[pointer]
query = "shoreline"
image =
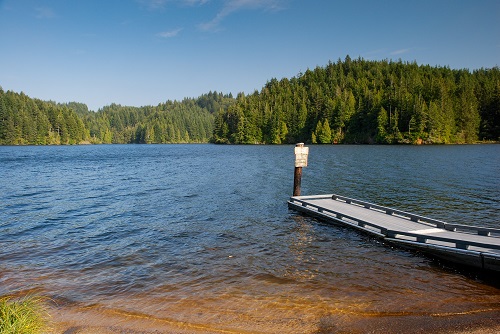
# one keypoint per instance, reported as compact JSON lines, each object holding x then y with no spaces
{"x":88,"y":143}
{"x":93,"y":319}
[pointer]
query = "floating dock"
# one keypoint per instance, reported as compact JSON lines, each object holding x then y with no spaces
{"x":473,"y":246}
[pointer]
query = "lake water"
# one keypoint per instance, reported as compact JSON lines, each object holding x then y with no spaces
{"x":200,"y":236}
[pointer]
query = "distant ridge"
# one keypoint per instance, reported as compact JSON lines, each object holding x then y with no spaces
{"x":350,"y":101}
{"x":365,"y":102}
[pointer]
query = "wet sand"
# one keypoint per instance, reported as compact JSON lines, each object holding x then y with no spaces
{"x":98,"y":320}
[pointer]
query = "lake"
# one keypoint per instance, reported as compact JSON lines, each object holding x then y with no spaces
{"x":200,"y":236}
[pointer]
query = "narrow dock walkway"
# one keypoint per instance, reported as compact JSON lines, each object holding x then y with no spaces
{"x":467,"y":245}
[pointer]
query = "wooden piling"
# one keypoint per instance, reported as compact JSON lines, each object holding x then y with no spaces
{"x":301,"y":154}
{"x":297,"y":180}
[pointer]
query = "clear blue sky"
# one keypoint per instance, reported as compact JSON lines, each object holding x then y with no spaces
{"x":143,"y":52}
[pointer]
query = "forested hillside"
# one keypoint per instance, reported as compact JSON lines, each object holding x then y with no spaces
{"x":359,"y":101}
{"x":27,"y":121}
{"x":350,"y":101}
{"x":189,"y":121}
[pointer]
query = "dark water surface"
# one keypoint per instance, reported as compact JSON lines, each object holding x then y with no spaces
{"x":201,"y":234}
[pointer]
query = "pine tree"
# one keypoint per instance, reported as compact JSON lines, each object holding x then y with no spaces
{"x":323,"y":132}
{"x":382,"y":122}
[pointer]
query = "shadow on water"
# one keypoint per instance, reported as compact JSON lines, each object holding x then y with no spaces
{"x":488,"y":277}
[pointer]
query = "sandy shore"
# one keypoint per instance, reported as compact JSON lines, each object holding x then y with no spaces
{"x":96,"y":320}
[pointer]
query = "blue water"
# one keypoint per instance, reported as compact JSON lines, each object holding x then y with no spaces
{"x":202,"y":234}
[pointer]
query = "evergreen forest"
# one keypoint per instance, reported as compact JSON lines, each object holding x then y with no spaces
{"x":359,"y":101}
{"x":350,"y":101}
{"x":27,"y":121}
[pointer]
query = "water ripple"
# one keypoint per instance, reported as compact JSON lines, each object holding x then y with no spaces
{"x":202,"y":232}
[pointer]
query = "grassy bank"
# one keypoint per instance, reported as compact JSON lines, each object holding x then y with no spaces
{"x":26,"y":315}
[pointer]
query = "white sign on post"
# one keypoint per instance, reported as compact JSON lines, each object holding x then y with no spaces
{"x":301,"y":153}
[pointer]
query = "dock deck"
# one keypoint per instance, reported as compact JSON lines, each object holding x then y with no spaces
{"x":467,"y":245}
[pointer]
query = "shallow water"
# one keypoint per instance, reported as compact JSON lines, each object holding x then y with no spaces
{"x":201,"y":234}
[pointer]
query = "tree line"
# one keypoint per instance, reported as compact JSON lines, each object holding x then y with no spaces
{"x":360,"y":101}
{"x":350,"y":101}
{"x":28,"y":121}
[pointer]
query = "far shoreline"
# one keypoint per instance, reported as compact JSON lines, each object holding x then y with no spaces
{"x":86,"y":143}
